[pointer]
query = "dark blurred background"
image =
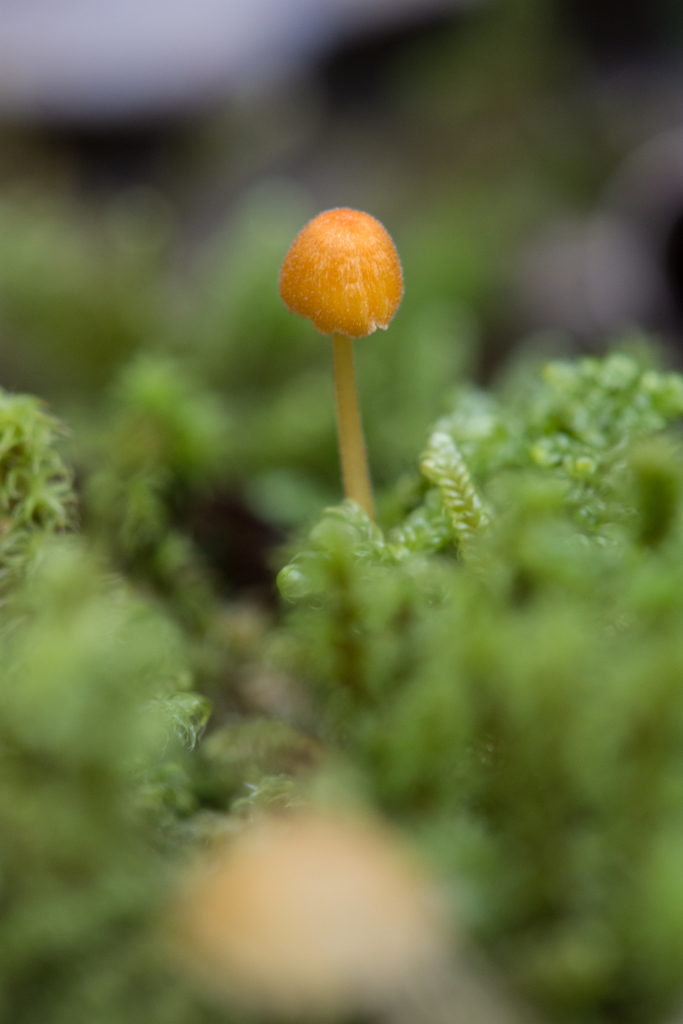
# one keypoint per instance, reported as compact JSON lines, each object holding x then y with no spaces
{"x":157,"y":159}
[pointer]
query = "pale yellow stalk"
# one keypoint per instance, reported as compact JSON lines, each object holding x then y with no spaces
{"x":354,"y":459}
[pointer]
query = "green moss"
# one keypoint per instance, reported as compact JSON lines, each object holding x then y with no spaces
{"x":501,"y":674}
{"x":36,"y":495}
{"x":529,"y":691}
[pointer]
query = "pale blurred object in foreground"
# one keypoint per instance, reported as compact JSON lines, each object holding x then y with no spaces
{"x":313,"y":914}
{"x":92,"y":60}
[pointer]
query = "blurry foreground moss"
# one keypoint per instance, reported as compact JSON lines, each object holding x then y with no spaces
{"x":84,"y":668}
{"x":95,"y":706}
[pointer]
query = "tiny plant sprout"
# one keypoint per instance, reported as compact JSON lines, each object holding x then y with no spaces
{"x":343,"y":273}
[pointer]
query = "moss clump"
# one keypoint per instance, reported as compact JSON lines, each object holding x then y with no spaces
{"x":507,"y":668}
{"x":501,"y":674}
{"x":36,"y":496}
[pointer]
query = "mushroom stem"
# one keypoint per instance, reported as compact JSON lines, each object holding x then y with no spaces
{"x":354,"y":459}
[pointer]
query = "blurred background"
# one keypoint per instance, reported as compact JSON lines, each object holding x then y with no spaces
{"x":157,"y":159}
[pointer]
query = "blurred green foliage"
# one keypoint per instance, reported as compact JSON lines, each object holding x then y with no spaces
{"x":77,"y":298}
{"x":86,"y":666}
{"x":164,"y":440}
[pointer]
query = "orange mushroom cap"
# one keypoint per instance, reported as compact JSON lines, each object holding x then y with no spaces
{"x":343,"y":273}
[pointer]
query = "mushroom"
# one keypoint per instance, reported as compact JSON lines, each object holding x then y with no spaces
{"x":343,"y":273}
{"x":310,"y":914}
